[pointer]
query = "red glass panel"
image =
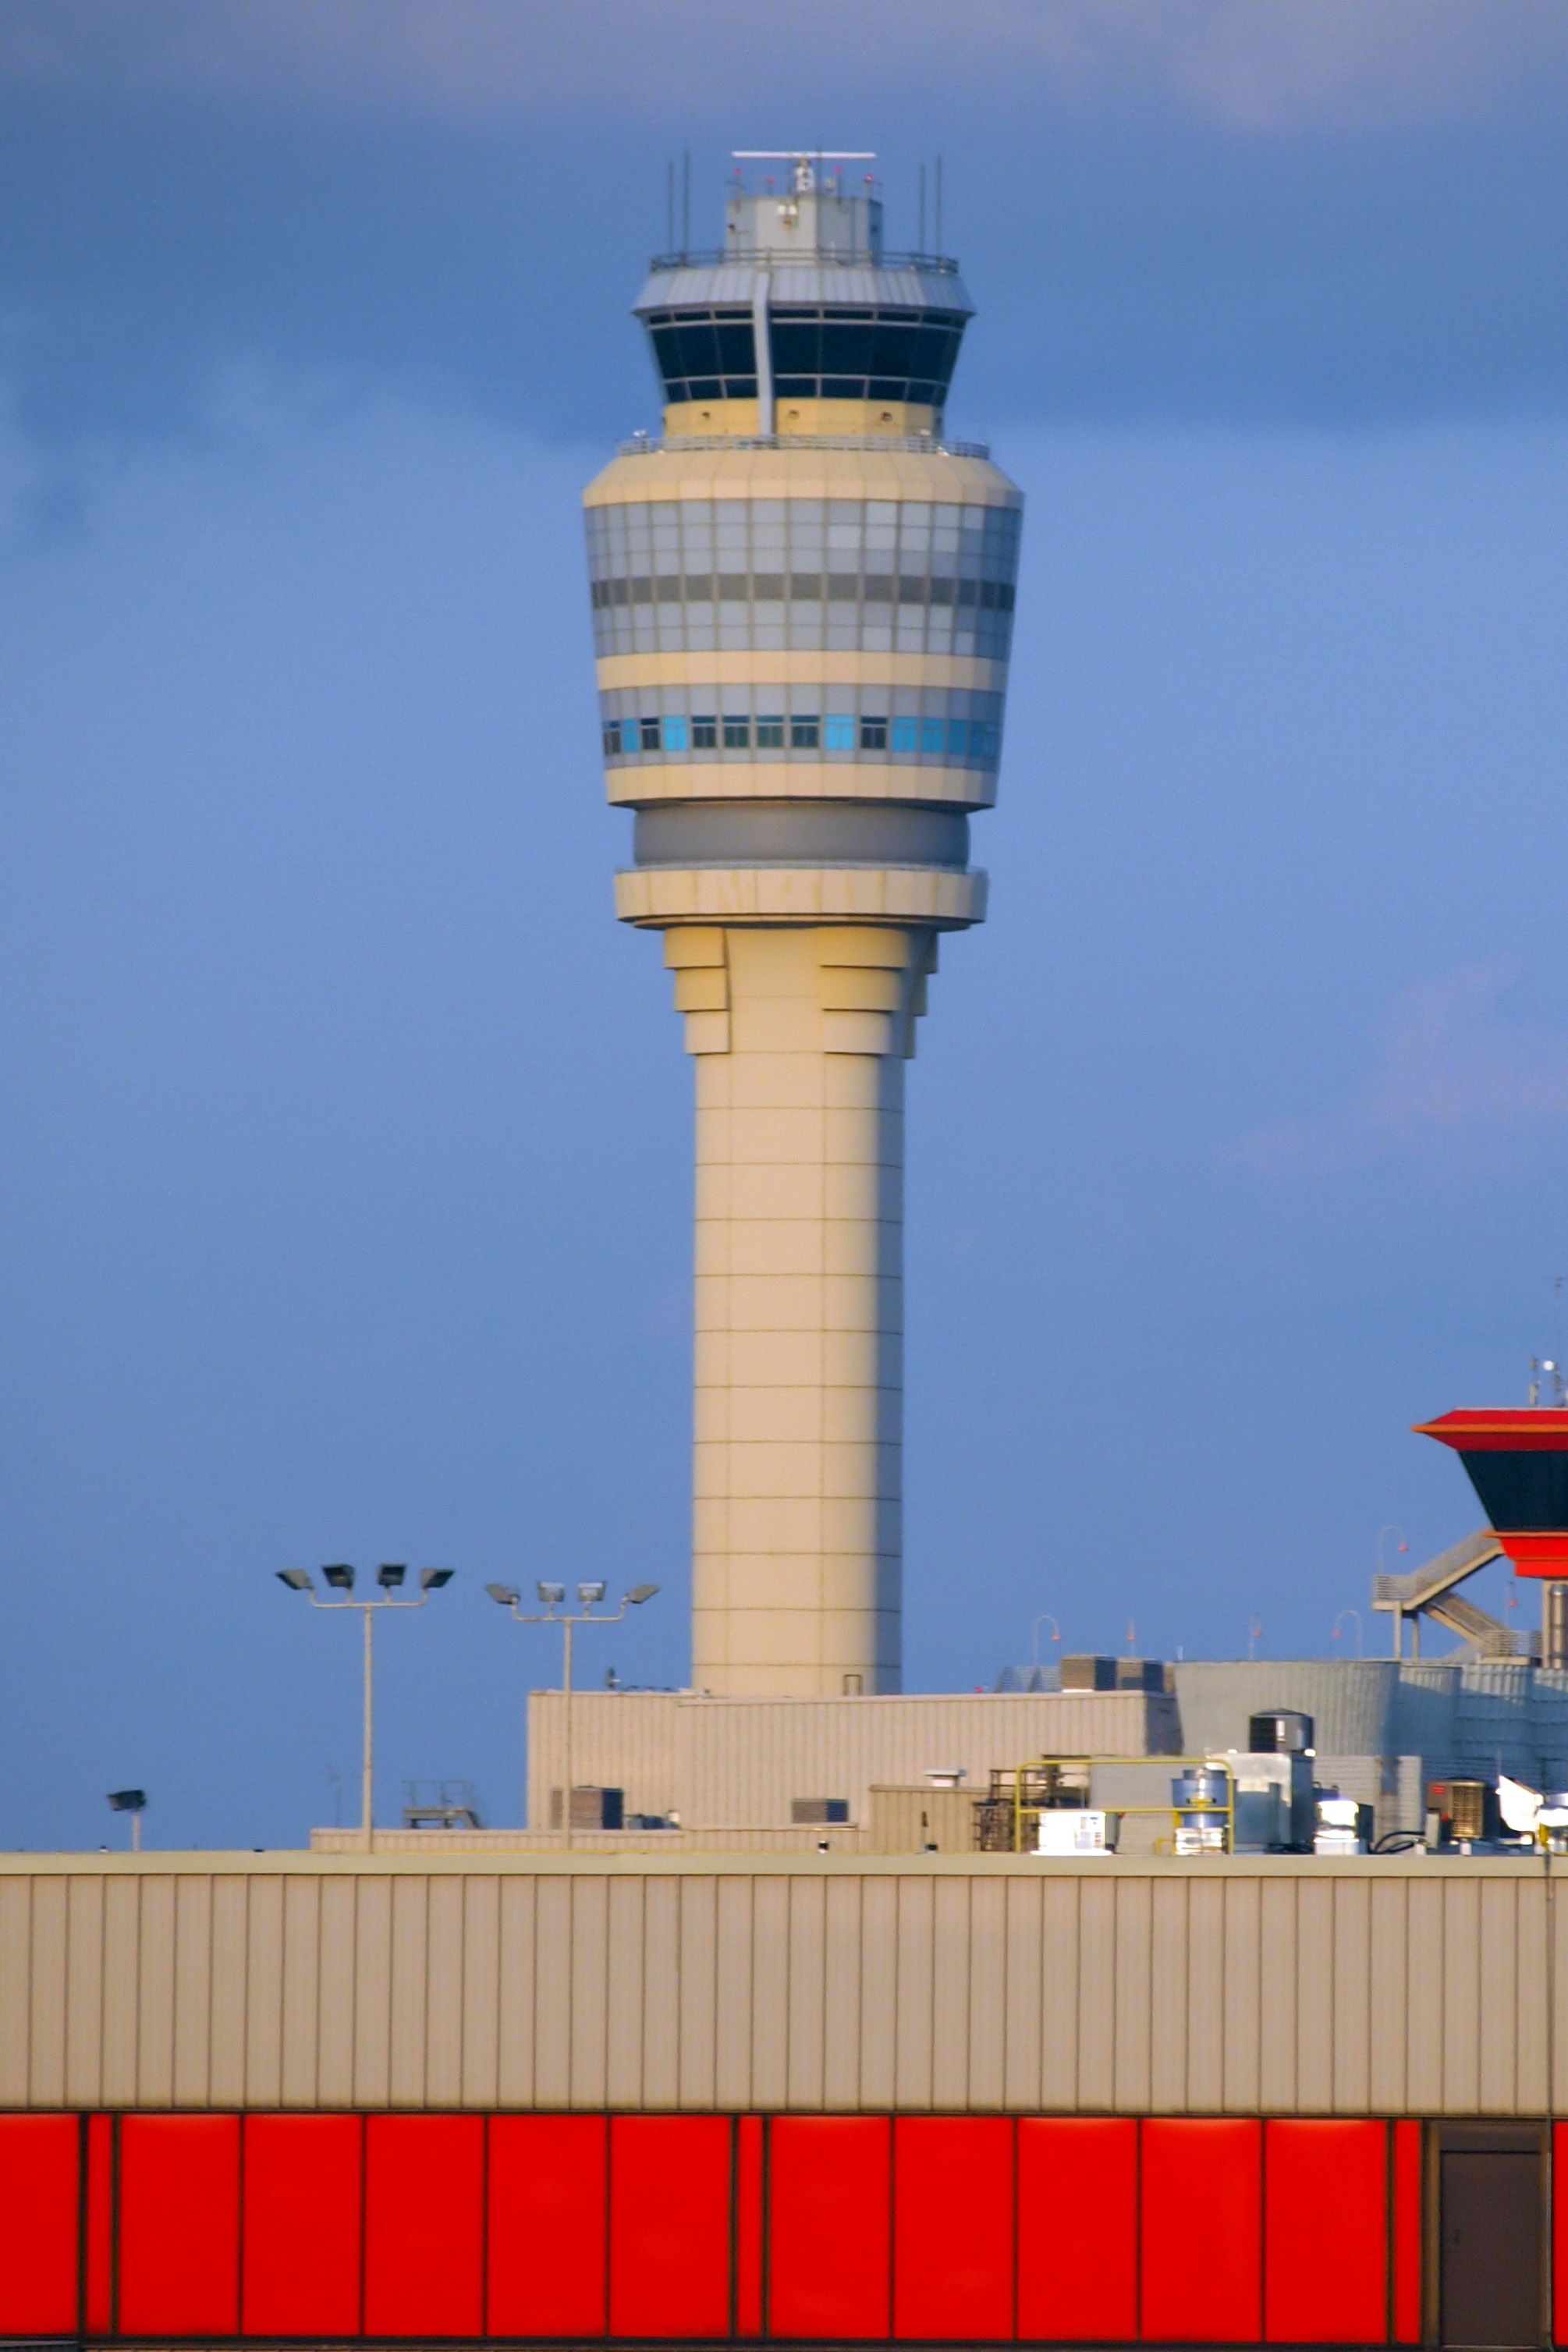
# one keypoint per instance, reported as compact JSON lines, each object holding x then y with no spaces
{"x":303,"y":2195}
{"x":1201,"y":2231}
{"x":669,"y":2225}
{"x":829,"y":2235}
{"x":40,"y":2203}
{"x":424,"y":2225}
{"x":1325,"y":2232}
{"x":952,"y":2226}
{"x":179,"y":2225}
{"x":548,"y":2186}
{"x":1078,"y":2186}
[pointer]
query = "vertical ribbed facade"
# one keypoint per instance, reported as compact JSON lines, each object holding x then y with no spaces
{"x":802,"y":600}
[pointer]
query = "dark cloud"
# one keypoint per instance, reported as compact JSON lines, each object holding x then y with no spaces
{"x":1140,"y":263}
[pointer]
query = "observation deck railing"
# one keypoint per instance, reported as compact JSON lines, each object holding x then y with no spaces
{"x":933,"y":264}
{"x":913,"y":444}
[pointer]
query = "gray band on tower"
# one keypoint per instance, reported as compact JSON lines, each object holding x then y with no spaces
{"x":797,"y":833}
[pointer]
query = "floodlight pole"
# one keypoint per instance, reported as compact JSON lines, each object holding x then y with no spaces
{"x":367,"y":1610}
{"x":568,"y":1624}
{"x":367,"y":1772}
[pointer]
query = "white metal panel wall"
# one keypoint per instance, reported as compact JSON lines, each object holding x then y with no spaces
{"x":972,"y":1984}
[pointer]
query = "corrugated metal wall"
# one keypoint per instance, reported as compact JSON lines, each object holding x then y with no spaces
{"x":736,"y":1763}
{"x":1351,"y":1700}
{"x":1383,"y":1987}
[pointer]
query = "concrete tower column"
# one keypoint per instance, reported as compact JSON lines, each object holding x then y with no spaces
{"x":798,"y":1396}
{"x":802,"y":639}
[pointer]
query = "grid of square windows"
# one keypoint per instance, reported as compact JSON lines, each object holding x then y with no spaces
{"x":949,"y":727}
{"x":696,"y":575}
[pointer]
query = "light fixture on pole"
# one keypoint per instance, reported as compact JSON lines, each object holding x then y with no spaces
{"x":552,"y":1599}
{"x":340,"y":1579}
{"x":134,"y":1803}
{"x":1045,"y":1618}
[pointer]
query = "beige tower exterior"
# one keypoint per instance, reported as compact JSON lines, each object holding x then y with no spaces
{"x":801,"y":598}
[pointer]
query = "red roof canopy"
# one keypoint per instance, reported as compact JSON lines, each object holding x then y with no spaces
{"x":1500,"y":1429}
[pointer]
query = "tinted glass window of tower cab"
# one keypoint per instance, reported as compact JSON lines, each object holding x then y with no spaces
{"x":818,"y":353}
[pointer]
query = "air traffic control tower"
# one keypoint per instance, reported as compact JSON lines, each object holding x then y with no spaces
{"x":802,"y":597}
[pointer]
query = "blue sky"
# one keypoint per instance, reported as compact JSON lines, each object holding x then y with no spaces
{"x":344,"y":1186}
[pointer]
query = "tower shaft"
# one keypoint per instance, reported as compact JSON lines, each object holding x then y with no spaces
{"x":798,"y":1317}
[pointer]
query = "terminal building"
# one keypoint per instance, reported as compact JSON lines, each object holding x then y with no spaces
{"x":788,"y":2058}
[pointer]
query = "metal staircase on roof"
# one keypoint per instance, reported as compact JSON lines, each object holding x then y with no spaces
{"x":1431,"y":1590}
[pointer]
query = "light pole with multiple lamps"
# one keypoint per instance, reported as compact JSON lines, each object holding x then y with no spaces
{"x":551,"y":1599}
{"x":340,"y":1577}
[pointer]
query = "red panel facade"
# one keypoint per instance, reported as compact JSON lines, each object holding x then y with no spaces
{"x":424,"y":2225}
{"x":1325,"y":2232}
{"x":670,"y":2225}
{"x":1201,"y":2231}
{"x":1077,"y":2185}
{"x":952,"y":2226}
{"x":179,"y":2225}
{"x":749,"y":2226}
{"x":829,"y":2214}
{"x":40,"y":2206}
{"x":98,"y":2228}
{"x":303,"y":2185}
{"x":548,"y":2182}
{"x":1406,"y":2233}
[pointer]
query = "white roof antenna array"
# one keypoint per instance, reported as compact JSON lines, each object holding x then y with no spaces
{"x":803,"y":158}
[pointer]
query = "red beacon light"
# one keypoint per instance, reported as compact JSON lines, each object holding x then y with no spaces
{"x":1517,"y":1460}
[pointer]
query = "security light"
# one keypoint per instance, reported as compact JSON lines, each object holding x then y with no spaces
{"x":431,"y":1579}
{"x":390,"y":1574}
{"x":588,"y":1593}
{"x":507,"y":1594}
{"x":640,"y":1593}
{"x":297,"y":1580}
{"x":552,"y":1594}
{"x":340,"y":1577}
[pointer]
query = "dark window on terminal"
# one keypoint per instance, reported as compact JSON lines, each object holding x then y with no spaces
{"x":805,"y":733}
{"x":704,"y":734}
{"x":650,"y":734}
{"x":737,"y":734}
{"x":873,"y":734}
{"x":770,"y":732}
